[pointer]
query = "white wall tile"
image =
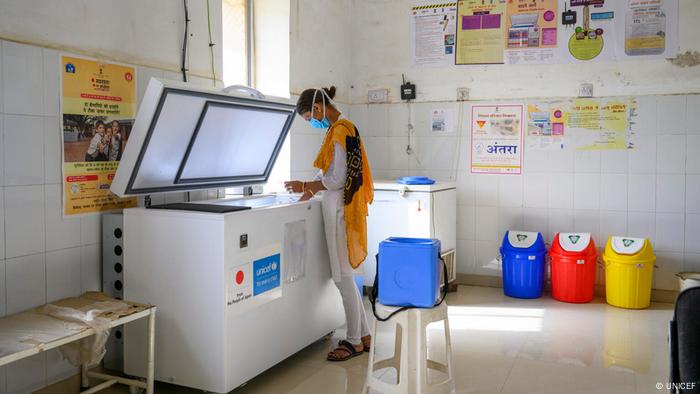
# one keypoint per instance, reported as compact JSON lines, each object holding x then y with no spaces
{"x":587,"y":161}
{"x":24,"y":150}
{"x":486,"y":223}
{"x":692,"y":193}
{"x":614,"y":161}
{"x":536,"y":161}
{"x":692,"y":233}
{"x":26,"y":282}
{"x":26,"y":375}
{"x":669,"y":264}
{"x":642,"y":225}
{"x":57,"y":368}
{"x":486,"y":190}
{"x":561,"y":160}
{"x":23,"y":71}
{"x":2,"y":223}
{"x":466,"y":218}
{"x":670,"y":154}
{"x":377,"y":149}
{"x":613,"y":192}
{"x":63,"y":274}
{"x":304,"y":149}
{"x":24,"y":220}
{"x":670,"y":114}
{"x":358,"y":114}
{"x":443,"y":152}
{"x":91,"y":226}
{"x":3,"y":294}
{"x":2,"y":146}
{"x":645,"y":120}
{"x":398,"y":119}
{"x":587,"y":221}
{"x":691,"y":262}
{"x":642,"y":156}
{"x":466,"y":188}
{"x":143,"y":75}
{"x":377,"y":120}
{"x":535,"y":219}
{"x":670,"y":232}
{"x":510,"y":191}
{"x":670,"y":193}
{"x":560,"y":221}
{"x":561,"y":191}
{"x":612,"y":223}
{"x":61,"y":232}
{"x":397,"y":153}
{"x":509,"y":219}
{"x":693,"y":109}
{"x":52,"y":75}
{"x":486,"y":258}
{"x":586,"y":191}
{"x":52,"y":150}
{"x":466,"y":258}
{"x":692,"y":164}
{"x":2,"y":110}
{"x":90,"y":268}
{"x":642,"y":192}
{"x":536,"y":190}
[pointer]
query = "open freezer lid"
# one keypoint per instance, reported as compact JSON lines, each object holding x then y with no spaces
{"x":186,"y":138}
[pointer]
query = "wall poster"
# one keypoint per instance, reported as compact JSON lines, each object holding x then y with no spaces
{"x":98,"y":107}
{"x":433,"y":25}
{"x":497,"y":139}
{"x":480,"y":31}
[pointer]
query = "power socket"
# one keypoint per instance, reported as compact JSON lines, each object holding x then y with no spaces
{"x":462,"y":94}
{"x":378,"y":96}
{"x":585,"y":90}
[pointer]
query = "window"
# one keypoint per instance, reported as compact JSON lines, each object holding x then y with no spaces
{"x":256,"y":53}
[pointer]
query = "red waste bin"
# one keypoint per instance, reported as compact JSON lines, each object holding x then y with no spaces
{"x":573,"y":262}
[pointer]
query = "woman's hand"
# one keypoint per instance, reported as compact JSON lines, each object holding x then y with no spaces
{"x":306,"y":196}
{"x":294,"y":186}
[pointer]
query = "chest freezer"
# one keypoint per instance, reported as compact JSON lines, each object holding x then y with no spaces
{"x":414,"y":211}
{"x":240,"y":284}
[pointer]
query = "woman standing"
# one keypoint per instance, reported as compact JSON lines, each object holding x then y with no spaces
{"x":346,"y":179}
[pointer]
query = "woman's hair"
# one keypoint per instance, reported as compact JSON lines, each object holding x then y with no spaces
{"x":305,"y":103}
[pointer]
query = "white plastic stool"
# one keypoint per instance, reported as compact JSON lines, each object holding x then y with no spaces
{"x":410,"y":358}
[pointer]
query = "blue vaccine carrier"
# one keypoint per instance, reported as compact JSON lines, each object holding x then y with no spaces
{"x":408,"y":272}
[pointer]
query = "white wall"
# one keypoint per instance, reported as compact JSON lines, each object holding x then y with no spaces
{"x":651,"y":191}
{"x":380,"y":33}
{"x":146,"y":33}
{"x":43,"y":256}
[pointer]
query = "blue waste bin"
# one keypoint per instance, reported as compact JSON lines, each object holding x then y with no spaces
{"x":523,"y":257}
{"x":408,"y":273}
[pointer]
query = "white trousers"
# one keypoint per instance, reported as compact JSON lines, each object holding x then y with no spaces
{"x":355,"y":316}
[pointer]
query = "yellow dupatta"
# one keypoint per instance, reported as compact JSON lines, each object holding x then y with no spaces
{"x":358,"y":174}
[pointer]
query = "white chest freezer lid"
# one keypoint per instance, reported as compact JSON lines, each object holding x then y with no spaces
{"x":186,"y":138}
{"x":393,"y":185}
{"x":574,"y":242}
{"x":626,"y":245}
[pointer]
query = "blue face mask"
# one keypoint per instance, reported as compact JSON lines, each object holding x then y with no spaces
{"x":320,"y":124}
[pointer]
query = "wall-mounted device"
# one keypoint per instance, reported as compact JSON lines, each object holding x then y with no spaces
{"x":408,"y":90}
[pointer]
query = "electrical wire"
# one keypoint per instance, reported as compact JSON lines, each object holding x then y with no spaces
{"x":211,"y":45}
{"x":184,"y":43}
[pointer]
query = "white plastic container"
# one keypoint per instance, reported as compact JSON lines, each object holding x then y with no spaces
{"x":689,"y":279}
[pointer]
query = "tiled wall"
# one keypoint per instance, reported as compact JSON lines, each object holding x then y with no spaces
{"x":650,"y":191}
{"x":43,"y":256}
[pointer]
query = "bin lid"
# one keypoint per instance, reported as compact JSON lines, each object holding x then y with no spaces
{"x":186,"y":138}
{"x":410,"y":242}
{"x":523,"y":241}
{"x":574,"y":242}
{"x":627,"y":245}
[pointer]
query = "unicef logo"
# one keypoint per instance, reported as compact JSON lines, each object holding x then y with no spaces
{"x":274,"y":266}
{"x":70,"y":68}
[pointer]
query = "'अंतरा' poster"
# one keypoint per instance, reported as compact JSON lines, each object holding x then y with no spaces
{"x":497,"y":139}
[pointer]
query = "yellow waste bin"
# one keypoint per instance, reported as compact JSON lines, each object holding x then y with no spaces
{"x":629,"y":267}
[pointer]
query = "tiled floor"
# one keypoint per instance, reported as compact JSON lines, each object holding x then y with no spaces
{"x":506,"y":345}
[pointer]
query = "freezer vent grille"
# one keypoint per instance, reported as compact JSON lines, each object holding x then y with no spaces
{"x":450,"y":261}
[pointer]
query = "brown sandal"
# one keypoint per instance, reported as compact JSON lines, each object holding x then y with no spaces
{"x":347,"y":347}
{"x":367,"y":342}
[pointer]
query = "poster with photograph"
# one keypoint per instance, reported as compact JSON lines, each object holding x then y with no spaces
{"x":441,"y":120}
{"x":546,"y":125}
{"x":531,"y":34}
{"x":497,"y":139}
{"x":98,"y":107}
{"x":433,"y":26}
